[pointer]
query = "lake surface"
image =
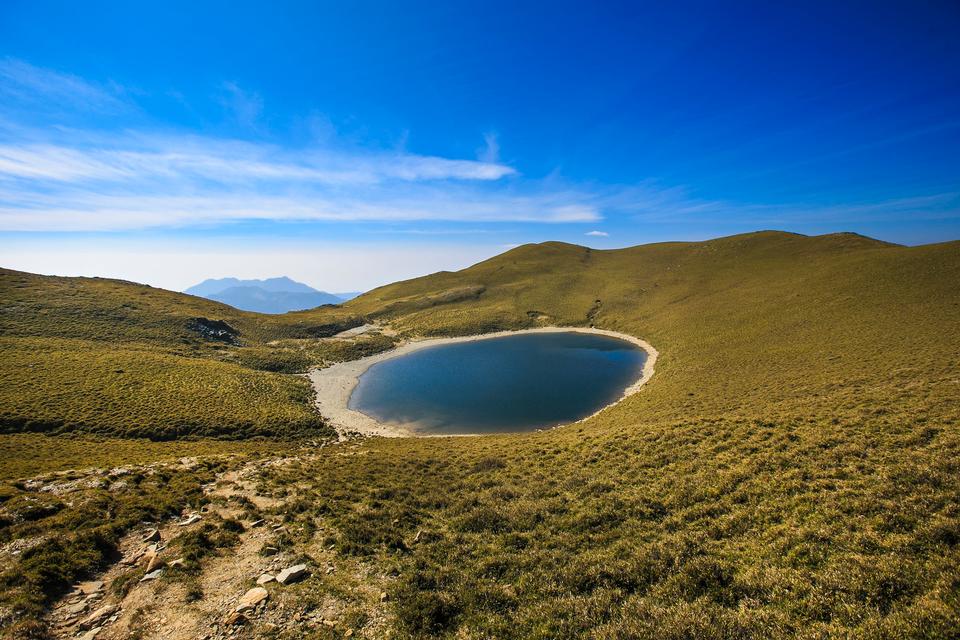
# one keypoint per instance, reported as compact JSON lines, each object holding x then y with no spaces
{"x":514,"y":383}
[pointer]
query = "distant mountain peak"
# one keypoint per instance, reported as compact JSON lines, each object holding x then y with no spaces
{"x":270,"y":295}
{"x":279,"y":284}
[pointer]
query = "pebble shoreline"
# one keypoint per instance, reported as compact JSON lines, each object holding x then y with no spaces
{"x":333,"y":385}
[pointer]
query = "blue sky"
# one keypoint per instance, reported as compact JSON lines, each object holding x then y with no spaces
{"x":351,"y":144}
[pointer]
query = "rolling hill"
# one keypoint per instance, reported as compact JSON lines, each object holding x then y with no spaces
{"x":792,"y":469}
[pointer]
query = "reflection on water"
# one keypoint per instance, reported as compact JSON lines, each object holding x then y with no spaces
{"x":513,"y":383}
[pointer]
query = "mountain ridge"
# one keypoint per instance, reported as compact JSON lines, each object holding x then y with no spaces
{"x":271,"y":295}
{"x":277,"y":284}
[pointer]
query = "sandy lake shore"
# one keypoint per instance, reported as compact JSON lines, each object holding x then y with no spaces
{"x":333,"y":385}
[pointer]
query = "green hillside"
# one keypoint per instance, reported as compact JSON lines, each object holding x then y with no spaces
{"x":118,"y":358}
{"x":792,"y":469}
{"x":745,"y":324}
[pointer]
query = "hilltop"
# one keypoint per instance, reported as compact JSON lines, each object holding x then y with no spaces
{"x":792,"y":469}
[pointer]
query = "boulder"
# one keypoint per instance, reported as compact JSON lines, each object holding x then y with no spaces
{"x":153,"y":575}
{"x":251,"y":599}
{"x":193,"y":518}
{"x":155,"y":563}
{"x":292,"y":574}
{"x":92,"y":634}
{"x":151,"y":560}
{"x":99,"y":615}
{"x":235,"y":619}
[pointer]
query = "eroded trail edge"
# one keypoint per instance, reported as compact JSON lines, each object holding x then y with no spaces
{"x":333,"y":385}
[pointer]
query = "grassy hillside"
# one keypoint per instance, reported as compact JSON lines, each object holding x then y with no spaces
{"x":123,"y":359}
{"x":744,"y":324}
{"x":791,"y":470}
{"x":125,"y":312}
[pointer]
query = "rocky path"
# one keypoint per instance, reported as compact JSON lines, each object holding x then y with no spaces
{"x":246,"y":590}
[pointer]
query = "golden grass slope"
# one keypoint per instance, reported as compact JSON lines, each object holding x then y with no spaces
{"x":791,"y":470}
{"x":743,"y":323}
{"x":122,"y":359}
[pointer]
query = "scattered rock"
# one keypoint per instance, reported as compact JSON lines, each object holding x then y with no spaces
{"x":235,"y":619}
{"x":348,"y":634}
{"x":256,"y":523}
{"x":251,"y":599}
{"x":97,"y":616}
{"x":77,"y":608}
{"x":383,"y":596}
{"x":192,"y":519}
{"x":153,"y":535}
{"x":179,"y":562}
{"x":153,"y":575}
{"x":292,"y":574}
{"x":93,"y":633}
{"x":265,"y":578}
{"x":214,"y":330}
{"x":416,"y":538}
{"x":330,"y":569}
{"x":151,"y":560}
{"x":93,"y":586}
{"x":154,"y":564}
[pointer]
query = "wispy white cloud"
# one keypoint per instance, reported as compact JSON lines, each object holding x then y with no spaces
{"x":93,"y":212}
{"x":138,"y":181}
{"x":126,"y":158}
{"x":31,"y":86}
{"x":130,"y":180}
{"x":490,"y":152}
{"x":74,"y":178}
{"x":245,"y":107}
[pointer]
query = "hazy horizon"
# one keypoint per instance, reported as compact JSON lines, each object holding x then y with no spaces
{"x":333,"y":269}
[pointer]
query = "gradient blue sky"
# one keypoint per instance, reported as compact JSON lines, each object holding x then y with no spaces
{"x":351,"y":144}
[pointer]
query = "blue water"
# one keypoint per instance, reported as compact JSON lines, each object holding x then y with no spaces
{"x":514,"y":383}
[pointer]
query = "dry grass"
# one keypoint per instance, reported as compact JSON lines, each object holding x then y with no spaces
{"x":791,"y":470}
